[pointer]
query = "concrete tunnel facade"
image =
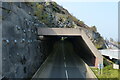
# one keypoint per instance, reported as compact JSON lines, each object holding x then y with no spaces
{"x":81,"y":43}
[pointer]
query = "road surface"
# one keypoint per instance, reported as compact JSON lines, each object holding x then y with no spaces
{"x":64,"y":63}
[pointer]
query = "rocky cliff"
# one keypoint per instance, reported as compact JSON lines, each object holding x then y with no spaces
{"x":22,"y":52}
{"x":53,"y":15}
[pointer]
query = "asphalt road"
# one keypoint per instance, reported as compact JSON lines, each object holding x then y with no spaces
{"x":64,"y":63}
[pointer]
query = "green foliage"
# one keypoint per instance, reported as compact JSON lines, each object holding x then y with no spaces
{"x":99,"y":41}
{"x":54,"y":4}
{"x":106,"y":62}
{"x":74,"y":18}
{"x":38,"y":10}
{"x":98,"y":46}
{"x":111,"y":39}
{"x":39,"y":6}
{"x":78,"y":22}
{"x":108,"y":72}
{"x":40,"y":13}
{"x":81,"y":22}
{"x":118,"y":42}
{"x":93,"y":28}
{"x":56,"y":9}
{"x":44,"y":18}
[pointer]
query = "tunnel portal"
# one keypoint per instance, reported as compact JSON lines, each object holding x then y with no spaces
{"x":80,"y":47}
{"x":83,"y":46}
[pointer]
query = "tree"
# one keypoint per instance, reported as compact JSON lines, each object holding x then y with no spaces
{"x":93,"y":28}
{"x":111,"y":40}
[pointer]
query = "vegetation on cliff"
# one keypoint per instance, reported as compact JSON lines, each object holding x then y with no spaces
{"x":53,"y":15}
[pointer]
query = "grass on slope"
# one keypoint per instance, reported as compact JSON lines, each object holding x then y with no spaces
{"x":108,"y":73}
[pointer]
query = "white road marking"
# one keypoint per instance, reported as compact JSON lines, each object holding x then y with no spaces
{"x":66,"y":74}
{"x":65,"y":64}
{"x":64,"y":58}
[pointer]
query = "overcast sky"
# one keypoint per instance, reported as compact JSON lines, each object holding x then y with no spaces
{"x":104,"y":15}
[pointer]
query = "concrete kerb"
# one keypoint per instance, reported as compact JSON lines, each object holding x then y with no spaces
{"x":0,"y":41}
{"x":41,"y":67}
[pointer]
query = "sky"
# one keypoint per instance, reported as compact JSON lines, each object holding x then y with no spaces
{"x":104,"y":15}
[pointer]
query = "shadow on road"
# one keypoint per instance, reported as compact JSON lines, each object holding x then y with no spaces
{"x":64,"y":63}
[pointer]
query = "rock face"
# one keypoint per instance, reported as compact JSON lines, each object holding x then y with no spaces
{"x":54,"y":15}
{"x":22,"y":52}
{"x":95,"y":38}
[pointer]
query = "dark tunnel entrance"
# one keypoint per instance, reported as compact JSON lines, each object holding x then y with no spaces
{"x":80,"y":47}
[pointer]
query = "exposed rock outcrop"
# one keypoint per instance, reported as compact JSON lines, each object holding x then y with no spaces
{"x":53,"y":15}
{"x":22,"y":52}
